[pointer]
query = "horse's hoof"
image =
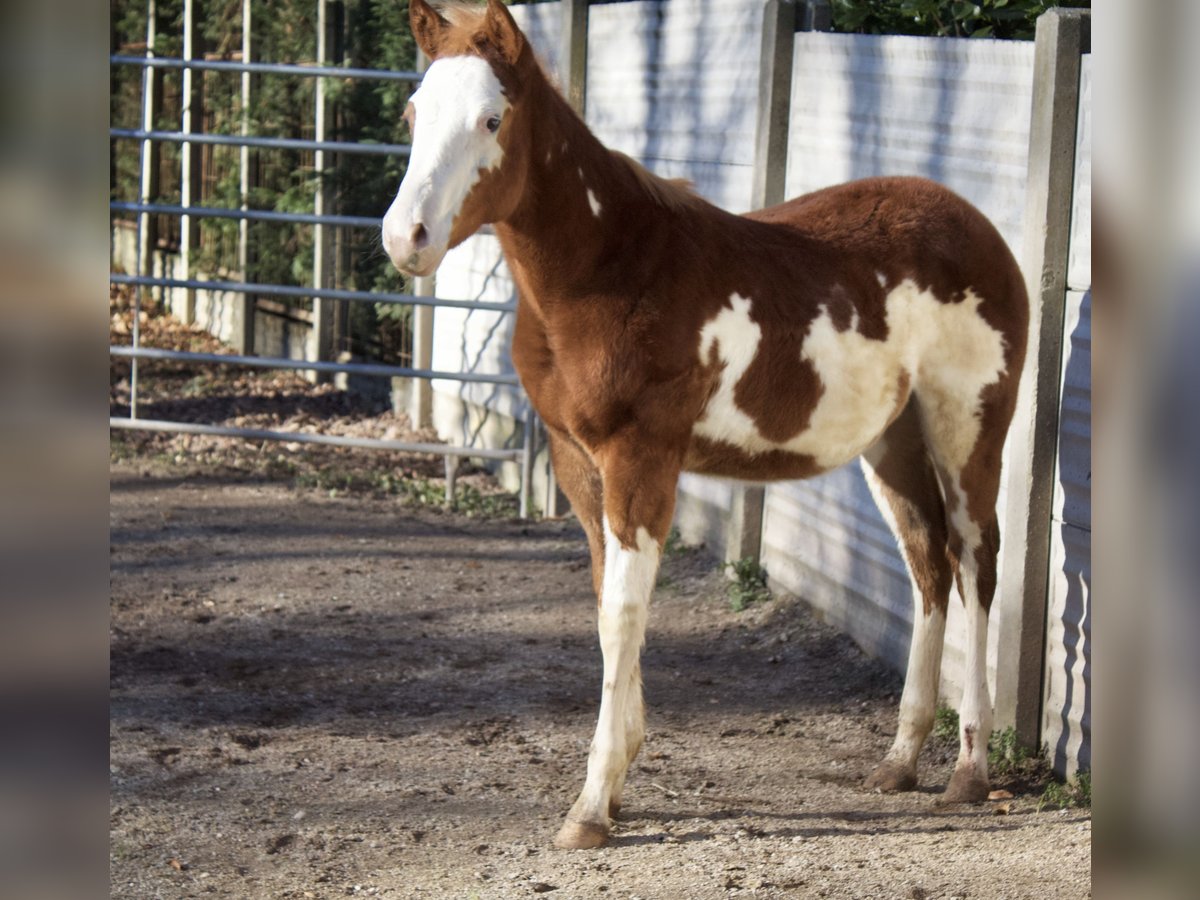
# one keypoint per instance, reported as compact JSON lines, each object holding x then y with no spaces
{"x":890,"y":777}
{"x":614,"y":808}
{"x":966,"y":786}
{"x":581,"y":836}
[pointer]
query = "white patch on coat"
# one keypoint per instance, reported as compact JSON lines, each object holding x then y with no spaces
{"x":629,"y":575}
{"x":881,"y":278}
{"x":736,"y":338}
{"x":947,"y":350}
{"x":451,"y":150}
{"x":593,"y":203}
{"x":975,"y":710}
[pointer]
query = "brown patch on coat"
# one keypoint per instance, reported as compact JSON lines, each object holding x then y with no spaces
{"x":909,"y":485}
{"x":779,"y":390}
{"x":709,"y":457}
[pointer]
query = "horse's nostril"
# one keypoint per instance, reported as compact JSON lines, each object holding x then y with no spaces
{"x":420,"y":237}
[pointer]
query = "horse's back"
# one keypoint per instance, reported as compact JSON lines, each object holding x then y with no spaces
{"x":907,"y":226}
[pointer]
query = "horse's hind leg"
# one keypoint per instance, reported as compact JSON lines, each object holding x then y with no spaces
{"x":965,"y":436}
{"x":905,"y":486}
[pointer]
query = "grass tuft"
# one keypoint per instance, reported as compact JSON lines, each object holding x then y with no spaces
{"x":749,"y":584}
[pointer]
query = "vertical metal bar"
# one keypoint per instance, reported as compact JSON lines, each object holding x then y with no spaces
{"x":527,"y":452}
{"x":420,"y":402}
{"x":141,"y":252}
{"x":186,"y":173}
{"x":147,"y":168}
{"x":321,"y":336}
{"x":817,"y":16}
{"x":451,"y":481}
{"x":1061,"y":37}
{"x":248,"y":303}
{"x":573,"y":61}
{"x":552,"y":507}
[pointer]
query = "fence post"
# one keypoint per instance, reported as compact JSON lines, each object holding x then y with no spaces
{"x":774,"y":102}
{"x":1062,"y":36}
{"x":573,"y":60}
{"x":420,"y":409}
{"x":743,"y":529}
{"x":244,"y":338}
{"x":189,"y":172}
{"x":321,"y":337}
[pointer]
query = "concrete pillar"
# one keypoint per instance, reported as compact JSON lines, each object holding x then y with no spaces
{"x":1062,"y":36}
{"x":573,"y":59}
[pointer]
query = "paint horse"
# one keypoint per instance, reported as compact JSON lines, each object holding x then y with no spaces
{"x":657,"y":334}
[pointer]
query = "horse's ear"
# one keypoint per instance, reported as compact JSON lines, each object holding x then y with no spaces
{"x":502,"y":31}
{"x":427,"y":26}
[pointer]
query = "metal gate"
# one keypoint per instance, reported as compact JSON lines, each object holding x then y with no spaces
{"x":321,"y":294}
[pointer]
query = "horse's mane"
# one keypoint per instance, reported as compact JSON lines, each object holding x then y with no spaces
{"x":670,"y":193}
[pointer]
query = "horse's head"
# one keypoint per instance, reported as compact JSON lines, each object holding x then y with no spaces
{"x":468,"y":137}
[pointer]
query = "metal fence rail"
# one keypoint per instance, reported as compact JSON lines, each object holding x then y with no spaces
{"x":317,"y":292}
{"x":292,"y":290}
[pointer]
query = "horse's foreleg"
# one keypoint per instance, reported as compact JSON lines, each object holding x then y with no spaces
{"x":637,"y":513}
{"x":635,"y":732}
{"x":629,"y":574}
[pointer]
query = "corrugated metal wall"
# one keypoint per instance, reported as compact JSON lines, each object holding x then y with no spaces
{"x":953,"y":111}
{"x":1067,"y":718}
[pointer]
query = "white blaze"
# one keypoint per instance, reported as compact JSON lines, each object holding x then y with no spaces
{"x":451,"y":148}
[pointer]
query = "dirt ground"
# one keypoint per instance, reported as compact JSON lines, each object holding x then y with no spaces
{"x":318,"y":696}
{"x":322,"y":686}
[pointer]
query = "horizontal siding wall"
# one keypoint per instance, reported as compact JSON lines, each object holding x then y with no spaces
{"x":1067,"y":710}
{"x":953,"y":111}
{"x":956,"y":111}
{"x":675,"y":86}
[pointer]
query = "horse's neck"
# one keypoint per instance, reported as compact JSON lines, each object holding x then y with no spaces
{"x":574,"y":215}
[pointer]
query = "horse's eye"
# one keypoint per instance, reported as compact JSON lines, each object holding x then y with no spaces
{"x":493,"y":124}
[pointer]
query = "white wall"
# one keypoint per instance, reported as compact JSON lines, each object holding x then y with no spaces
{"x":674,"y":84}
{"x":956,"y":111}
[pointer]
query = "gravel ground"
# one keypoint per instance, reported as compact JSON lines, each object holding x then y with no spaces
{"x":323,"y":686}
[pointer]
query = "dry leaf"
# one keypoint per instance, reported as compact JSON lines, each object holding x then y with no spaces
{"x":1002,"y":809}
{"x":1000,"y":795}
{"x":175,"y":864}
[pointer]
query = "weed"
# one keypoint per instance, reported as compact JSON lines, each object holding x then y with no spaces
{"x":674,"y":544}
{"x":945,"y":724}
{"x":749,"y":583}
{"x":1006,"y":754}
{"x":1075,"y":793}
